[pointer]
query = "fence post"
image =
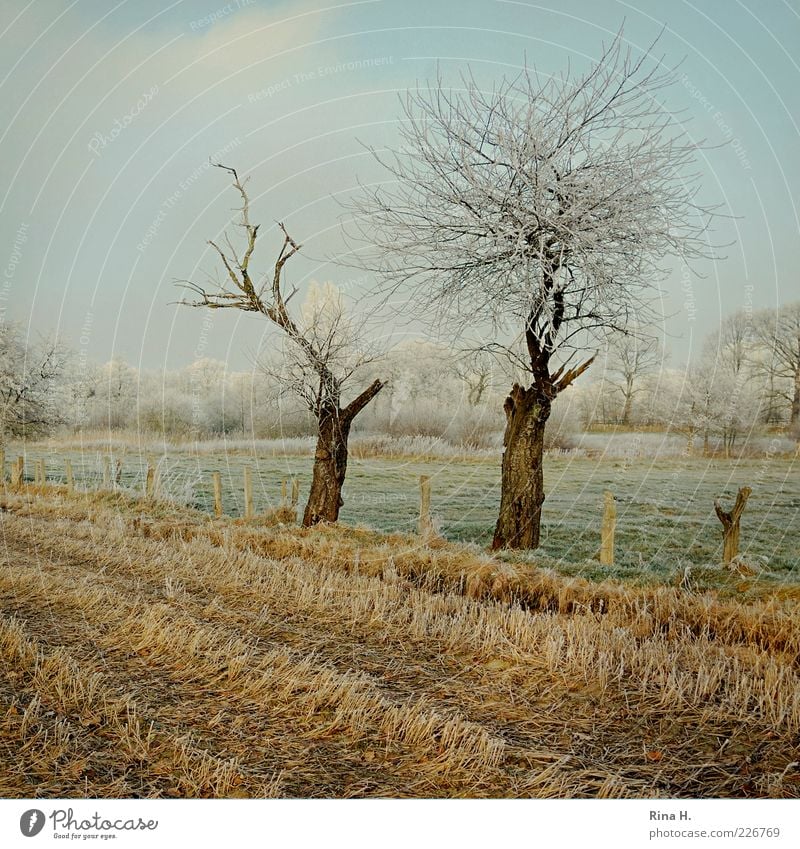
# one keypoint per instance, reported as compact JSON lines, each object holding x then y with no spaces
{"x":106,"y":471}
{"x":216,"y":477}
{"x":17,"y":472}
{"x":68,"y":475}
{"x":607,"y":529}
{"x":118,"y":473}
{"x":150,"y":482}
{"x":295,"y":491}
{"x":284,"y":492}
{"x":39,"y":473}
{"x":248,"y":493}
{"x":2,"y":465}
{"x":425,"y":523}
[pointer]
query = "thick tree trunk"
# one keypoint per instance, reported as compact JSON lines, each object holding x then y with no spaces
{"x":522,"y":488}
{"x":330,"y":458}
{"x":330,"y":467}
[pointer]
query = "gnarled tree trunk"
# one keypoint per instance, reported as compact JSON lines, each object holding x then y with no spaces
{"x":330,"y":467}
{"x":522,"y":486}
{"x":330,"y":458}
{"x":730,"y":523}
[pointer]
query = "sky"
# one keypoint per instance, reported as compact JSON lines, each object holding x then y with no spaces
{"x":113,"y":111}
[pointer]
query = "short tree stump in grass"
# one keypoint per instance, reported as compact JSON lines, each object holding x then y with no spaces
{"x":730,"y":523}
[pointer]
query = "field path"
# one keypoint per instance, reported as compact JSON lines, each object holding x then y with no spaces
{"x":135,"y":666}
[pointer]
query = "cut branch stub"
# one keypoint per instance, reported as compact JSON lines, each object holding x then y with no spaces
{"x":730,"y":523}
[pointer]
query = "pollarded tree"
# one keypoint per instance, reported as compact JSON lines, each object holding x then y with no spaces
{"x":321,"y":353}
{"x":540,"y":211}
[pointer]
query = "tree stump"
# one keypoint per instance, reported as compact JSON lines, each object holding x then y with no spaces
{"x":730,"y":523}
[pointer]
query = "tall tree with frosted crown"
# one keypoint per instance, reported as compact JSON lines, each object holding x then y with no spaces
{"x":539,"y":215}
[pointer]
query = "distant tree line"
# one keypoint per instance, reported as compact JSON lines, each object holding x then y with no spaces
{"x":745,"y":381}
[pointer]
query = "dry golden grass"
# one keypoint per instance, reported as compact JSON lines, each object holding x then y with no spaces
{"x":148,"y":651}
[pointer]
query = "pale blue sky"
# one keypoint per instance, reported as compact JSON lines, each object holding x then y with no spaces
{"x":96,"y":224}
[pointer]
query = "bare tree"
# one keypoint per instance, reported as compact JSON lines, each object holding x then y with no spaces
{"x":320,"y":350}
{"x":779,"y":332}
{"x":30,"y":403}
{"x":631,"y":357}
{"x":538,"y":213}
{"x":476,"y":370}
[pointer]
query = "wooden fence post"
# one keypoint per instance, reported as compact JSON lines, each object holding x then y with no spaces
{"x":150,"y":482}
{"x":17,"y":472}
{"x":70,"y":480}
{"x":39,"y":473}
{"x":607,"y":529}
{"x":106,"y":471}
{"x":295,"y":491}
{"x":730,"y":523}
{"x":248,"y":493}
{"x":284,"y":492}
{"x":425,"y":523}
{"x":118,"y":473}
{"x":216,"y":477}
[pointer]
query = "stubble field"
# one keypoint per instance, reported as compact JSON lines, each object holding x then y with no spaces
{"x":148,"y":650}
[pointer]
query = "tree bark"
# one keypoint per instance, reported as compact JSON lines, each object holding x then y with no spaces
{"x":330,"y":458}
{"x":730,"y":524}
{"x":522,"y":487}
{"x":330,"y":467}
{"x":794,"y":415}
